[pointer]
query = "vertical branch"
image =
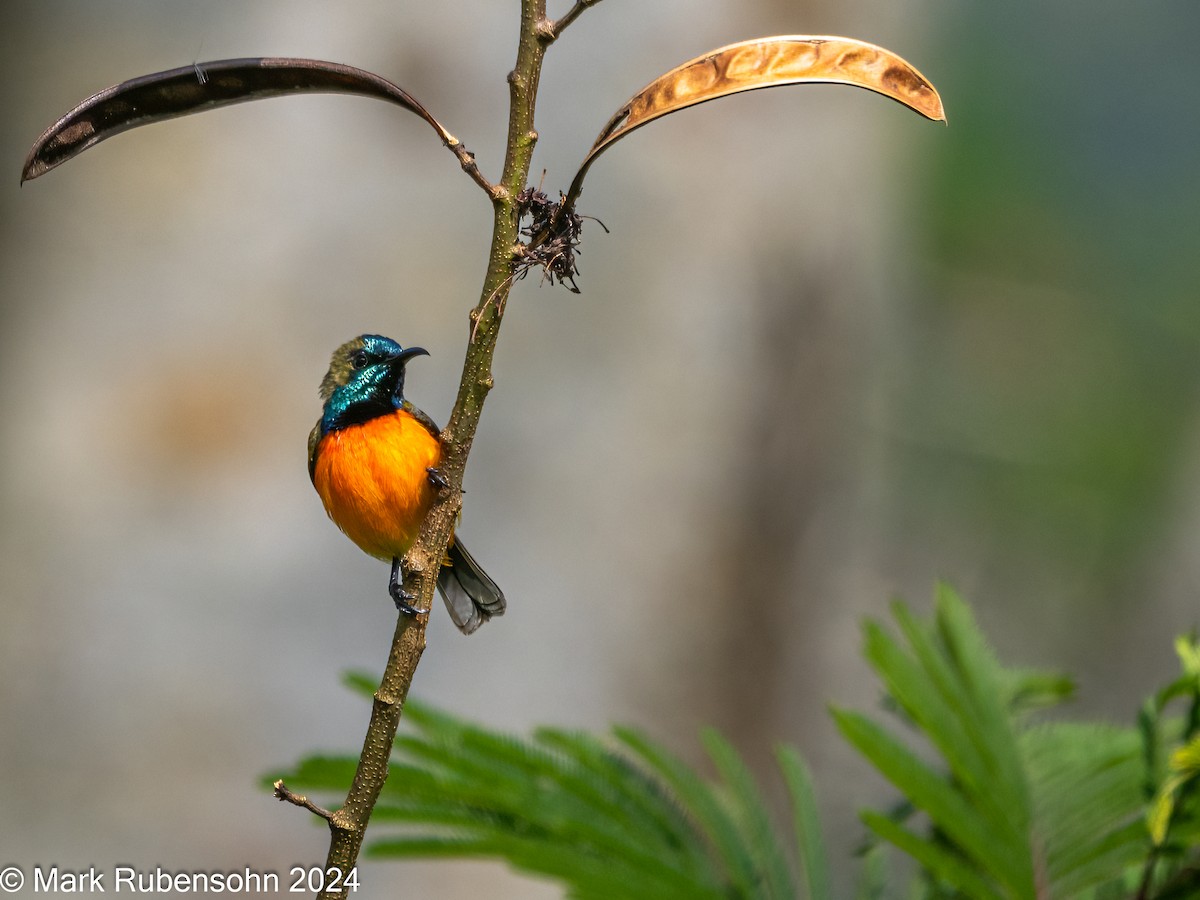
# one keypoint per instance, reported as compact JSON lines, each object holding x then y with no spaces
{"x":348,"y":824}
{"x":485,"y":317}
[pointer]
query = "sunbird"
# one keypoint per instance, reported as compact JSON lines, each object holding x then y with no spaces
{"x":373,"y":458}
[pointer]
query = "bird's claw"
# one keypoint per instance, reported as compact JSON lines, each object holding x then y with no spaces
{"x":402,"y":598}
{"x":436,"y":478}
{"x":410,"y":610}
{"x":399,"y":594}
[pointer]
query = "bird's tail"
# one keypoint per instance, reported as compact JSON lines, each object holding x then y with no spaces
{"x":471,"y":596}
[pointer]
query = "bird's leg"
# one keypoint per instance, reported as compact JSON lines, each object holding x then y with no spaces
{"x":436,"y":478}
{"x":399,"y":594}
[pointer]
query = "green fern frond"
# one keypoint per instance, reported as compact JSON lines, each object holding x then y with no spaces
{"x":1086,"y":783}
{"x":875,"y":874}
{"x":319,"y":774}
{"x":586,"y":875}
{"x":1015,"y":809}
{"x":941,"y":864}
{"x":1029,"y":691}
{"x":998,"y":806}
{"x":619,"y":819}
{"x":810,"y":848}
{"x":504,"y":787}
{"x":363,"y":683}
{"x":933,"y":793}
{"x":749,"y":810}
{"x":717,"y":826}
{"x":988,"y":722}
{"x":606,"y":822}
{"x":639,"y":801}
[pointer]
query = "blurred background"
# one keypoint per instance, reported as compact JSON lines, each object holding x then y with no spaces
{"x":829,"y":353}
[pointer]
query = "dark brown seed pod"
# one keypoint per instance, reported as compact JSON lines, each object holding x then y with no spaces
{"x":204,"y":86}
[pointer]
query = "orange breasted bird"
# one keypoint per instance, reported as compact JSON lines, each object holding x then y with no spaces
{"x":373,"y":459}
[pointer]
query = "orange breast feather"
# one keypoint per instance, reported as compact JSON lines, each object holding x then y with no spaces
{"x":372,"y":480}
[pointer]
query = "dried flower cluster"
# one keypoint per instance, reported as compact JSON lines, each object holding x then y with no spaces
{"x":553,"y":233}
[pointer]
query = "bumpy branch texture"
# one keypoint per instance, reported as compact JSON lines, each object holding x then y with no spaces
{"x":348,"y":824}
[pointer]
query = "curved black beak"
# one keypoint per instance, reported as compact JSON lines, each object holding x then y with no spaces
{"x":396,"y":366}
{"x":401,"y":359}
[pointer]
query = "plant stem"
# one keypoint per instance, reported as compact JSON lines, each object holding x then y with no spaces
{"x":556,"y":28}
{"x":348,"y":825}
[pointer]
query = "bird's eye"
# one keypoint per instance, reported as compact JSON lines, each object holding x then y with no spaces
{"x":358,"y":359}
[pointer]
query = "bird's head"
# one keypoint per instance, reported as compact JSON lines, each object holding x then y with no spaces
{"x":365,"y":380}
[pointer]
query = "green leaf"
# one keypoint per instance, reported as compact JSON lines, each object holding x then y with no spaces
{"x":950,"y":687}
{"x":641,"y":802}
{"x":697,"y":798}
{"x":1029,"y":691}
{"x":955,"y":721}
{"x":754,"y":821}
{"x":589,"y":876}
{"x":360,"y":682}
{"x":1186,"y":760}
{"x":943,"y":865}
{"x":1187,"y":648}
{"x":875,"y":876}
{"x":980,"y":673}
{"x":930,"y":792}
{"x":1086,"y":783}
{"x":810,"y":848}
{"x":528,"y":804}
{"x":502,"y":796}
{"x":1184,"y":767}
{"x":322,"y":773}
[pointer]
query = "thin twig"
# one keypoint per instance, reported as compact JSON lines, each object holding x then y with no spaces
{"x":504,"y":286}
{"x":551,"y":31}
{"x":283,"y":794}
{"x":466,"y":159}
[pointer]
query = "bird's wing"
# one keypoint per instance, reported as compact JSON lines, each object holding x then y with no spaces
{"x":470,"y":594}
{"x":430,"y":425}
{"x":314,"y":441}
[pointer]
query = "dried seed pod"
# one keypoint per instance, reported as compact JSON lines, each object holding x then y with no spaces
{"x":203,"y":86}
{"x":763,"y":63}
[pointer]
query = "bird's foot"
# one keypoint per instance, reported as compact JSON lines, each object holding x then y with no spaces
{"x":398,"y":594}
{"x":403,"y":600}
{"x":436,"y":478}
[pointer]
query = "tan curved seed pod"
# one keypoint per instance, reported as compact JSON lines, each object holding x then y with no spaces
{"x":763,"y":63}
